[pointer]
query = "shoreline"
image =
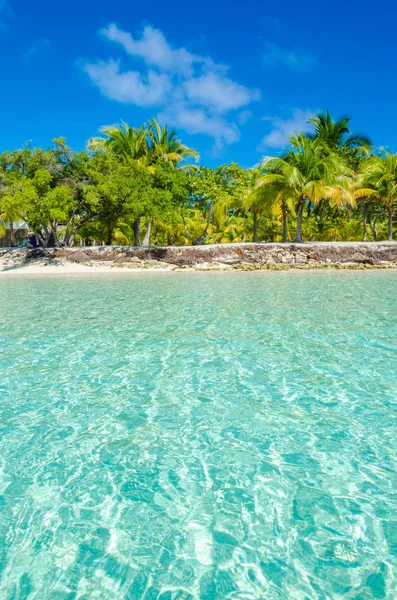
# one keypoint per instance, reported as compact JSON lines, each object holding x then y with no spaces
{"x":73,"y":269}
{"x":216,"y":257}
{"x":65,"y":271}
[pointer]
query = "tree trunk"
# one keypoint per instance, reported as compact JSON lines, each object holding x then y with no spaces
{"x":321,"y":214}
{"x":298,"y":232}
{"x":285,"y":222}
{"x":52,"y":241}
{"x":69,"y":239}
{"x":374,"y":230}
{"x":390,"y":223}
{"x":202,"y":236}
{"x":255,"y":235}
{"x":365,"y":223}
{"x":110,"y":234}
{"x":146,"y":239}
{"x":137,"y":230}
{"x":12,"y":234}
{"x":39,"y":236}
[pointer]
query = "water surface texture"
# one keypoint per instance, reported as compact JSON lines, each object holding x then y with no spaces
{"x":199,"y":435}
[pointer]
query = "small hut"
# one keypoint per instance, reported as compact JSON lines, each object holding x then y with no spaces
{"x":15,"y":234}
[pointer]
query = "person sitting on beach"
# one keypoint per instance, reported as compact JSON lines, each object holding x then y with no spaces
{"x":31,"y":241}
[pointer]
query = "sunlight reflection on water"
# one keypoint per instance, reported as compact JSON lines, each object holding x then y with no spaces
{"x":201,"y":435}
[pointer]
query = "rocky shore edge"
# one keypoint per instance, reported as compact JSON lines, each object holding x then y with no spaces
{"x":217,"y":257}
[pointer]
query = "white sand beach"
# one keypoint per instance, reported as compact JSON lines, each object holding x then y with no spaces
{"x":74,"y":269}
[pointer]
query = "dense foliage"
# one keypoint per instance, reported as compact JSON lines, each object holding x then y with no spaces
{"x":140,"y":186}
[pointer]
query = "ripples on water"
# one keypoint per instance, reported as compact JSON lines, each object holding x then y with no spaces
{"x":198,"y":436}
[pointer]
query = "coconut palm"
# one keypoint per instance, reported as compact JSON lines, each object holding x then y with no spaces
{"x":165,"y":144}
{"x":126,"y":143}
{"x":307,"y":175}
{"x":144,"y":144}
{"x":270,"y":199}
{"x":232,"y":231}
{"x":336,"y":134}
{"x":273,"y":200}
{"x":257,"y":199}
{"x":378,"y":179}
{"x":122,"y":141}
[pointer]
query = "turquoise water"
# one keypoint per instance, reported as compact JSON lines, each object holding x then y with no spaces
{"x":199,"y":435}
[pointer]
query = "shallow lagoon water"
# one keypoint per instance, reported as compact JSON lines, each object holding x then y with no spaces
{"x":199,"y":435}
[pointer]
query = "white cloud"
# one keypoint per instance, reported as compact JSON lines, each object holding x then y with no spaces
{"x":296,"y":60}
{"x":129,"y":87}
{"x":219,"y":92}
{"x":197,"y":120}
{"x":282,"y":129}
{"x":153,"y":48}
{"x":189,"y":91}
{"x":36,"y":48}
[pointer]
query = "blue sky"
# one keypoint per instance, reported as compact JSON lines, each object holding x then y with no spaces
{"x":235,"y":79}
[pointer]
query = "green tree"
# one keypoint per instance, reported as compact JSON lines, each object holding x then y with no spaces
{"x":307,"y":175}
{"x":264,"y":198}
{"x":145,"y":175}
{"x":204,"y":190}
{"x":271,"y":200}
{"x":127,"y":144}
{"x":336,"y":135}
{"x":164,"y":144}
{"x":45,"y":188}
{"x":167,"y":196}
{"x":378,"y":180}
{"x":116,"y":190}
{"x":122,"y":141}
{"x":147,"y":145}
{"x":41,"y":206}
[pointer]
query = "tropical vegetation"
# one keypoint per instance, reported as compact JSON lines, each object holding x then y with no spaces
{"x":143,"y":186}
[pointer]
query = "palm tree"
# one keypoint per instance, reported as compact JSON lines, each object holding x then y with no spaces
{"x":144,"y":144}
{"x":336,"y":134}
{"x":126,"y":143}
{"x":257,"y":199}
{"x":232,"y":231}
{"x":307,"y":174}
{"x":122,"y":141}
{"x":165,"y":144}
{"x":378,"y":179}
{"x":273,"y":199}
